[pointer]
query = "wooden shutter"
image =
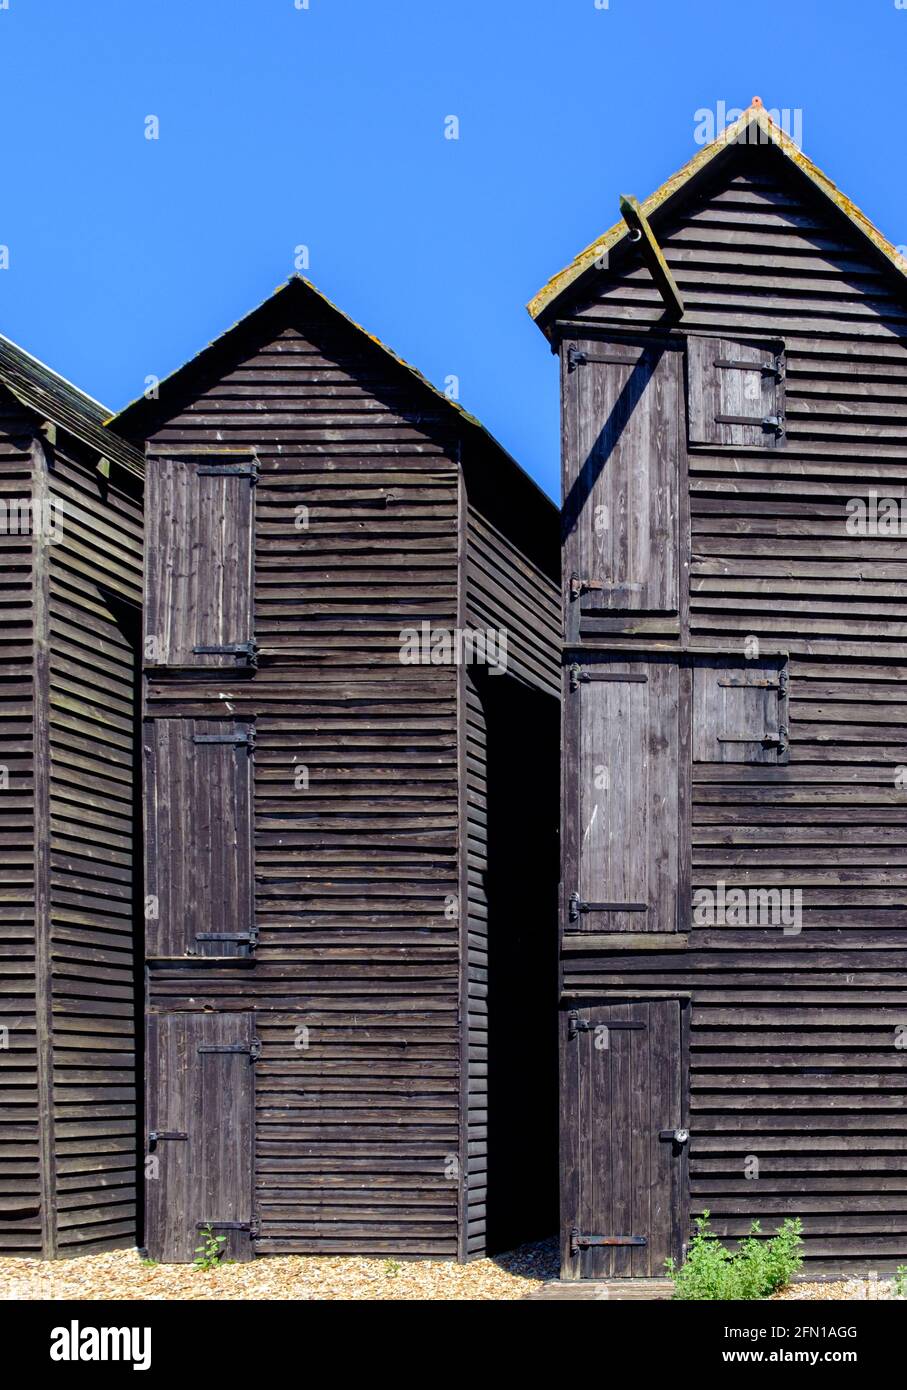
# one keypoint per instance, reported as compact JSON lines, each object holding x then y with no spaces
{"x":624,"y":1145}
{"x":199,"y":841}
{"x":200,"y":1107}
{"x":740,"y":711}
{"x":622,"y":458}
{"x":735,"y":392}
{"x":199,"y":546}
{"x":627,"y":750}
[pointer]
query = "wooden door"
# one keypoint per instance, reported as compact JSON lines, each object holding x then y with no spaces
{"x":200,"y":1098}
{"x":198,"y":837}
{"x":626,"y":765}
{"x":740,"y":710}
{"x":199,"y":548}
{"x":622,"y":466}
{"x":735,"y":393}
{"x":623,"y":1140}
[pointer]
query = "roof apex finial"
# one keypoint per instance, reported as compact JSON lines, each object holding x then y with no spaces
{"x":756,"y":101}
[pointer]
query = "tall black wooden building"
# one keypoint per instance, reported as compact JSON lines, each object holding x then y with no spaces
{"x":734,"y":360}
{"x":70,"y":589}
{"x":351,"y":860}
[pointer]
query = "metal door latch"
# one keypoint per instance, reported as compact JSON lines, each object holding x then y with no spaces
{"x":252,"y":1226}
{"x":579,"y":1240}
{"x":156,"y":1135}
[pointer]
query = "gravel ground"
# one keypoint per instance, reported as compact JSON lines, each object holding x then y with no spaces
{"x":122,"y":1275}
{"x":839,"y":1289}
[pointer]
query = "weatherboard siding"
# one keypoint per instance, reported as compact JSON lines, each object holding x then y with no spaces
{"x":21,"y":1207}
{"x":357,"y":980}
{"x":94,"y":593}
{"x":69,"y":1140}
{"x":795,"y":1058}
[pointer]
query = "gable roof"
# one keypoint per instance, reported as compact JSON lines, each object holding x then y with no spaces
{"x":44,"y":391}
{"x":138,"y":419}
{"x":755,"y":127}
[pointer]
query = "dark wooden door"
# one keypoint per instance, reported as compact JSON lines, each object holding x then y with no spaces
{"x":626,"y":756}
{"x":736,"y":393}
{"x":622,"y":457}
{"x":198,"y":837}
{"x":624,"y":1175}
{"x":200,"y":1098}
{"x":199,"y":547}
{"x":740,"y":710}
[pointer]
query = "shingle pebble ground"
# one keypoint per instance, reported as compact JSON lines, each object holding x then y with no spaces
{"x":840,"y":1289}
{"x":121,"y":1274}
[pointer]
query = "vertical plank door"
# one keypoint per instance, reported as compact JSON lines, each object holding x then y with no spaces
{"x":622,"y":465}
{"x":198,"y":798}
{"x":624,"y":1171}
{"x":199,"y":548}
{"x":200,"y":1098}
{"x":626,"y":753}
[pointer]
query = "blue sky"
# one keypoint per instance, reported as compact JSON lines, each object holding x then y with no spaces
{"x":324,"y":126}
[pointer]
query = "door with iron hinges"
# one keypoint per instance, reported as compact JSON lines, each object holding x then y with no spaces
{"x":740,"y":710}
{"x":622,"y":471}
{"x":199,"y":548}
{"x":626,"y":780}
{"x":624,"y":1139}
{"x":199,"y":879}
{"x":200,"y":1096}
{"x":735,"y":393}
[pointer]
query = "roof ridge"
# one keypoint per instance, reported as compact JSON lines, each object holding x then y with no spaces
{"x":41,"y":389}
{"x":297,"y":280}
{"x":734,"y":134}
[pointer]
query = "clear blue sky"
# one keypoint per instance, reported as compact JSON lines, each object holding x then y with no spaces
{"x":325,"y":126}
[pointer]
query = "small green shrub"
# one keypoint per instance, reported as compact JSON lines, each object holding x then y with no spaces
{"x":756,"y":1270}
{"x":900,"y":1282}
{"x":392,"y":1268}
{"x":210,"y":1252}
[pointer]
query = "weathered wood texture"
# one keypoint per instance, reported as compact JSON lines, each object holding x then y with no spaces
{"x":21,"y":1209}
{"x":68,"y":843}
{"x":509,"y":743}
{"x":796,"y":1062}
{"x":623,"y":1081}
{"x":201,"y":1085}
{"x":358,"y":982}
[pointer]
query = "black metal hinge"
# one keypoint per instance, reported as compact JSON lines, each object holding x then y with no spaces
{"x":768,"y":422}
{"x":773,"y":369}
{"x":241,"y":740}
{"x":780,"y":740}
{"x":247,"y":650}
{"x":253,"y":1226}
{"x":576,"y":907}
{"x":779,"y":684}
{"x":230,"y":470}
{"x":577,"y":1025}
{"x":578,"y":357}
{"x":252,"y":1048}
{"x":580,"y":675}
{"x":579,"y":1241}
{"x":156,"y":1135}
{"x":580,"y":586}
{"x":249,"y":938}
